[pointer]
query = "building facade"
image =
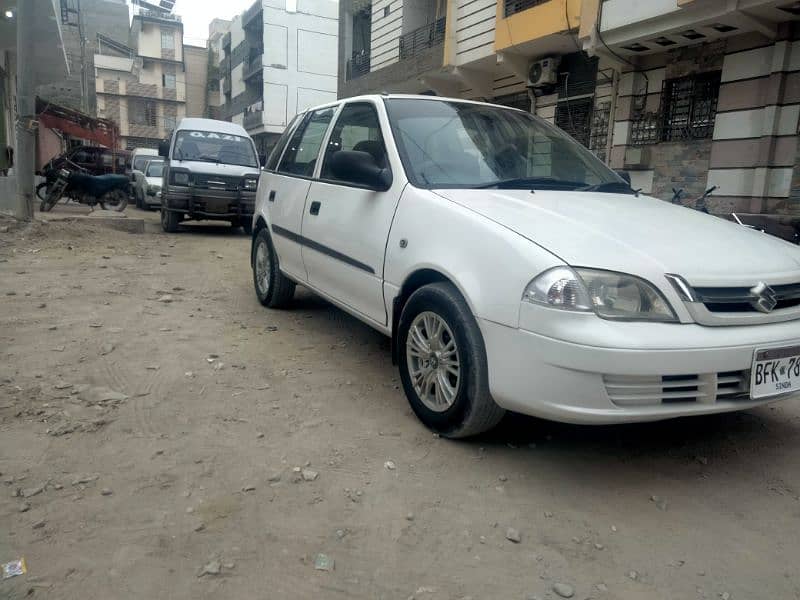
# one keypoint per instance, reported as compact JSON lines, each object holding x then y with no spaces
{"x":278,"y":59}
{"x":81,"y":21}
{"x":195,"y":59}
{"x":214,"y":99}
{"x":709,"y":95}
{"x":142,"y":86}
{"x":683,"y":94}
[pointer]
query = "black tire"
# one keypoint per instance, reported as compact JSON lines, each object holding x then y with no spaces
{"x":169,"y":220}
{"x":473,"y":410}
{"x":139,"y":200}
{"x":278,"y":290}
{"x":42,"y":190}
{"x":115,"y":200}
{"x":247,"y":225}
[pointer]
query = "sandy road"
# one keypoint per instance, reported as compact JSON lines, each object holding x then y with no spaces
{"x":143,"y":366}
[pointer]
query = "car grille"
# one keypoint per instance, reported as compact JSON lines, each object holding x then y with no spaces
{"x":631,"y":390}
{"x":202,"y":180}
{"x":735,"y":299}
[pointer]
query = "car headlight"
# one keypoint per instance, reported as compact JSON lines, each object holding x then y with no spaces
{"x":611,"y":295}
{"x":180,"y":177}
{"x":250,"y":184}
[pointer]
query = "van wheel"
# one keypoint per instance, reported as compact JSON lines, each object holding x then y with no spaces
{"x":443,"y":363}
{"x":169,"y":220}
{"x":247,"y":225}
{"x":273,"y":289}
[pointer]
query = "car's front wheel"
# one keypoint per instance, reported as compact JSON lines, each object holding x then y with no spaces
{"x":273,"y":288}
{"x":443,"y":363}
{"x":169,"y":220}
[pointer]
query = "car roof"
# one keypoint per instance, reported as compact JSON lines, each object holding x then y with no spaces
{"x":197,"y":124}
{"x":146,"y":151}
{"x":377,"y":97}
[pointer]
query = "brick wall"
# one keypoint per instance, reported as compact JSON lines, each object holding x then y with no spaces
{"x":143,"y":89}
{"x":680,"y":165}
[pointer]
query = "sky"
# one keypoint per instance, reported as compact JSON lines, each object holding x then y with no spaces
{"x":197,"y":14}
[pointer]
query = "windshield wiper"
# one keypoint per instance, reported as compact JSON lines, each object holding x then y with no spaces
{"x":610,"y":186}
{"x":532,"y":183}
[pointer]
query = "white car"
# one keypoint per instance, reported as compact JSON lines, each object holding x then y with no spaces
{"x":147,"y":183}
{"x":514,"y":271}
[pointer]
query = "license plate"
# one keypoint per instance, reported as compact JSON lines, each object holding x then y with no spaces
{"x":776,"y":371}
{"x":217,"y":206}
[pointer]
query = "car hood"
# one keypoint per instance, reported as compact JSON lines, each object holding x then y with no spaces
{"x":209,"y":168}
{"x":637,"y":234}
{"x":153,"y":181}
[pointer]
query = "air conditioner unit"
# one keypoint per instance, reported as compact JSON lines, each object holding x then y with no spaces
{"x":543,"y":72}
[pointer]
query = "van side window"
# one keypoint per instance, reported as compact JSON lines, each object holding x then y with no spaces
{"x":357,"y":128}
{"x":300,"y":157}
{"x":275,"y":155}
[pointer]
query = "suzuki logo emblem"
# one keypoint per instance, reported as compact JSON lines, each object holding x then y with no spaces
{"x":764,"y":297}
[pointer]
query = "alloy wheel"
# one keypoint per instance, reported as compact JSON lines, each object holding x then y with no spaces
{"x":433,"y":361}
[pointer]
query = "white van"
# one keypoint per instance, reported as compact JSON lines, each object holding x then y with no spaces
{"x":211,"y":171}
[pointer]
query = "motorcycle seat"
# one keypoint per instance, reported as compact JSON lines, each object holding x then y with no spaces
{"x":97,"y":185}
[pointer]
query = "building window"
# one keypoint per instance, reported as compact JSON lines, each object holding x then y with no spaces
{"x":690,"y":106}
{"x":167,"y":40}
{"x":142,"y":112}
{"x":687,"y":111}
{"x":512,"y":7}
{"x":169,"y":123}
{"x":168,"y":80}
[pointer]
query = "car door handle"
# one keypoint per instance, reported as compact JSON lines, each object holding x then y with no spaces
{"x":315,"y":207}
{"x":272,"y":195}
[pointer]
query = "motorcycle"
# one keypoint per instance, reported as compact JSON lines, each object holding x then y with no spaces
{"x":109,"y":191}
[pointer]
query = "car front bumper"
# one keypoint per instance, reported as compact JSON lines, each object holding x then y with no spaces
{"x":209,"y":203}
{"x":590,"y":371}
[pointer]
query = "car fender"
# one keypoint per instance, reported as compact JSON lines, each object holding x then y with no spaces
{"x":487,"y":262}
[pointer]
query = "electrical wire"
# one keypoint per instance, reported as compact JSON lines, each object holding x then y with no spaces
{"x":620,"y":58}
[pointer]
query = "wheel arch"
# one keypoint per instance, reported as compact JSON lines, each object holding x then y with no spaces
{"x":261,"y":223}
{"x":415,"y":280}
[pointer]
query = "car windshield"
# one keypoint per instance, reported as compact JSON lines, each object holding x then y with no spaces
{"x":155,"y":169}
{"x":457,"y":144}
{"x":210,"y":146}
{"x":140,"y":162}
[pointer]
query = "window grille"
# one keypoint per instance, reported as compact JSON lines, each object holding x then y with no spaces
{"x":512,"y":7}
{"x":575,"y":117}
{"x":598,"y":135}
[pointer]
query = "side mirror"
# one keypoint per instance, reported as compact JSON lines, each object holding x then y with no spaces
{"x":625,"y":175}
{"x":360,"y":168}
{"x":163,"y":148}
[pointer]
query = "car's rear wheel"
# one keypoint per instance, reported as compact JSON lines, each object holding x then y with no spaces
{"x":443,"y":363}
{"x":273,"y":288}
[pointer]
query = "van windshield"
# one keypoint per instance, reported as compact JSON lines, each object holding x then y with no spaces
{"x":141,"y":161}
{"x":210,"y":146}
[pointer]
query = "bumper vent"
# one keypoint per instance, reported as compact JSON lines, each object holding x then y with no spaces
{"x":630,"y":390}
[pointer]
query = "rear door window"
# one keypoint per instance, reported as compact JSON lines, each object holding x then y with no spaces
{"x":301,"y":154}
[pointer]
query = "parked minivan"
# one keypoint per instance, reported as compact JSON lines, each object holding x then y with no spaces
{"x":211,"y":171}
{"x":514,"y":270}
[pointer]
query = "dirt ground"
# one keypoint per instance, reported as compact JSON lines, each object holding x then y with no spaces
{"x":162,"y":435}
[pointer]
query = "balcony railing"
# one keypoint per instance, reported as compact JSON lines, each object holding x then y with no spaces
{"x":254,"y":64}
{"x":428,"y":36}
{"x":254,"y":118}
{"x":512,"y":7}
{"x":358,"y":65}
{"x":251,"y":13}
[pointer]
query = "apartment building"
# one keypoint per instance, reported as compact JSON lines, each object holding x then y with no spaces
{"x":142,"y":86}
{"x":683,"y":94}
{"x":81,"y":21}
{"x":709,"y":95}
{"x":479,"y":49}
{"x":278,"y":59}
{"x":195,"y":59}
{"x":214,"y":99}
